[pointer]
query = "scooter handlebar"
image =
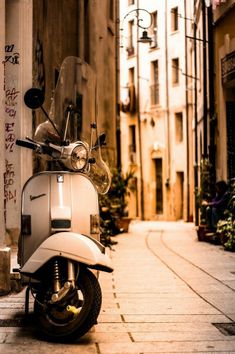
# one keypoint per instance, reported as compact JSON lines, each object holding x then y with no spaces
{"x":27,"y":144}
{"x":40,"y":148}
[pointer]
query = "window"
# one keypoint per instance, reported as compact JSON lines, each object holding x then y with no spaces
{"x":132,"y":143}
{"x":131,"y":74}
{"x":174,"y":19}
{"x":132,"y":137}
{"x":175,"y":71}
{"x":111,"y":10}
{"x":154,"y":88}
{"x":179,"y":127}
{"x":130,"y":47}
{"x":153,"y":30}
{"x":86,"y":31}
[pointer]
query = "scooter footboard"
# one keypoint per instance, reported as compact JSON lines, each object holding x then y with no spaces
{"x":77,"y":247}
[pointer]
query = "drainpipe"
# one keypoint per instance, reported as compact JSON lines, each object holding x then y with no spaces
{"x":205,"y":128}
{"x":139,"y":121}
{"x":117,"y":69}
{"x":195,"y":127}
{"x":186,"y":111}
{"x":4,"y":251}
{"x":168,"y":169}
{"x":212,"y":146}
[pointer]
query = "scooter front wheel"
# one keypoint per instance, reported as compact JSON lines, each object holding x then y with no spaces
{"x":56,"y":322}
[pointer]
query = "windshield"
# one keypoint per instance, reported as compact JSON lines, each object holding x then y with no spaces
{"x":73,"y":114}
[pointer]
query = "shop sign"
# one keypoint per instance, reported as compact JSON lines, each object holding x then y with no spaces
{"x":228,"y":68}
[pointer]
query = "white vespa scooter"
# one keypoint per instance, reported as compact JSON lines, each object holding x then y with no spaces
{"x":59,"y":248}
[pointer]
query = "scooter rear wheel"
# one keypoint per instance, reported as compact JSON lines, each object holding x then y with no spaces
{"x":55,"y":322}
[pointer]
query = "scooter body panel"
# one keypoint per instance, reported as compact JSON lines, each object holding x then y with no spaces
{"x":69,"y":245}
{"x":55,"y":202}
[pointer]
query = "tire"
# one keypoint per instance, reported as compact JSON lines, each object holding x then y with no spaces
{"x":56,"y":323}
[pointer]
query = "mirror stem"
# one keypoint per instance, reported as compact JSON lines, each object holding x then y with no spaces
{"x":51,"y":121}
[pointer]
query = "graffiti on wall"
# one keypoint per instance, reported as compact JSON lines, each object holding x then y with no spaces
{"x":10,"y":55}
{"x":12,"y":59}
{"x":39,"y":65}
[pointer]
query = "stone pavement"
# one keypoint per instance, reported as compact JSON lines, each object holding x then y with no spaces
{"x":165,"y":295}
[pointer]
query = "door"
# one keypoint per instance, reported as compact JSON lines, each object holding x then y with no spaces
{"x":179,"y":196}
{"x":159,"y":190}
{"x":230,"y":115}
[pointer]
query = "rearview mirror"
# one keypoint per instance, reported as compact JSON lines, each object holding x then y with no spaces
{"x":34,"y":98}
{"x":101,"y":140}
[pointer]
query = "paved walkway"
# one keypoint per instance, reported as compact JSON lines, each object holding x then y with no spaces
{"x":165,"y":294}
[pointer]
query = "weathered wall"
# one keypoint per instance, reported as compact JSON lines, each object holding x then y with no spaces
{"x":77,"y":28}
{"x":37,"y":35}
{"x":17,"y":77}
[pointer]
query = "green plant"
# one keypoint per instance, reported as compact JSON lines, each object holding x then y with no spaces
{"x":206,"y":188}
{"x":226,"y":231}
{"x":121,"y":187}
{"x":114,"y":204}
{"x":226,"y":227}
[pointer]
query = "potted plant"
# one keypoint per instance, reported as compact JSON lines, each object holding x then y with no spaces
{"x":204,"y":194}
{"x":226,"y":232}
{"x":114,"y":205}
{"x":226,"y":227}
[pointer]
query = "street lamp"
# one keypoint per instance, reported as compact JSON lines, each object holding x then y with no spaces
{"x":145,"y":37}
{"x":141,"y":23}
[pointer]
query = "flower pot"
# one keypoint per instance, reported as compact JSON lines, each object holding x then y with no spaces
{"x":201,"y":232}
{"x":123,"y":223}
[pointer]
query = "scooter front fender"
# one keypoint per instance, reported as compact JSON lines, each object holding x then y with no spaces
{"x":77,"y":247}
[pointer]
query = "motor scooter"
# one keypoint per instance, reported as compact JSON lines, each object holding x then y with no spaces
{"x":59,"y":250}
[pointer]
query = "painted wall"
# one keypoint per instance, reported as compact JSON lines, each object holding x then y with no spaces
{"x":71,"y":27}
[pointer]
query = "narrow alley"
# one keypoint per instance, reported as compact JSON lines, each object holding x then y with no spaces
{"x":168,"y":293}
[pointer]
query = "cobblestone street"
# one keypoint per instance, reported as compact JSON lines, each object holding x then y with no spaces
{"x":165,"y":295}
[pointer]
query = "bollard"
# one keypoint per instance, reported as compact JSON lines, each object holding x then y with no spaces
{"x":5,"y":264}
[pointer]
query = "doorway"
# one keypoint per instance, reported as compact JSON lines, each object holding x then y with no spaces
{"x":230,"y":115}
{"x":179,"y":196}
{"x":159,"y":190}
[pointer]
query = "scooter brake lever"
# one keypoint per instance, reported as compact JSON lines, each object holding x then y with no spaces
{"x":29,"y":139}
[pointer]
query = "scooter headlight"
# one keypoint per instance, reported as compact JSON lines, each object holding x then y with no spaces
{"x":79,"y":157}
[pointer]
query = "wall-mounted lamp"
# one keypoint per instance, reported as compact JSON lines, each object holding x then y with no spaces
{"x":140,"y":20}
{"x":145,"y":37}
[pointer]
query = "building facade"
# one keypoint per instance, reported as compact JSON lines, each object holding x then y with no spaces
{"x":156,"y":109}
{"x":212,"y":41}
{"x":224,"y":34}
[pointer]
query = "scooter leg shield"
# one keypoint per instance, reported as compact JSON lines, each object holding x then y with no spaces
{"x":77,"y":247}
